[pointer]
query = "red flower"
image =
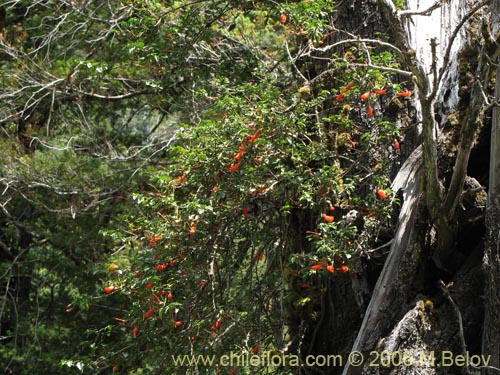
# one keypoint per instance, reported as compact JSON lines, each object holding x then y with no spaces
{"x":254,"y":137}
{"x":161,"y":267}
{"x":339,"y":98}
{"x":382,"y":194}
{"x":192,"y":230}
{"x":331,"y":208}
{"x":364,"y":95}
{"x":234,"y":167}
{"x":405,"y":94}
{"x":304,"y":285}
{"x":150,"y":312}
{"x":135,"y":331}
{"x":239,"y":155}
{"x":317,"y":267}
{"x":246,"y":213}
{"x":116,"y":369}
{"x":150,"y":285}
{"x":397,"y":146}
{"x":216,"y":325}
{"x":330,"y":268}
{"x":233,"y":371}
{"x":178,"y":323}
{"x":283,"y":19}
{"x":344,"y":268}
{"x":381,"y":92}
{"x":348,"y":87}
{"x":109,"y":289}
{"x":255,"y":349}
{"x":155,"y":239}
{"x":328,"y":218}
{"x":170,"y":296}
{"x":370,"y":111}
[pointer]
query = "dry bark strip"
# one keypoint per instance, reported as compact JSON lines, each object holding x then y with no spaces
{"x":376,"y":320}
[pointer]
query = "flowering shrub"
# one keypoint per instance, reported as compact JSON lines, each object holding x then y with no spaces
{"x":210,"y":251}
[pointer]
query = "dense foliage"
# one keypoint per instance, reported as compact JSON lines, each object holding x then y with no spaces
{"x":181,"y":177}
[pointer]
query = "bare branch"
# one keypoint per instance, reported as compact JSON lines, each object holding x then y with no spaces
{"x":425,"y":12}
{"x":355,"y":41}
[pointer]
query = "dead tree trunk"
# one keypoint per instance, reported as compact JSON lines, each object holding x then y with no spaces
{"x":417,"y":324}
{"x":491,"y":331}
{"x":392,"y":286}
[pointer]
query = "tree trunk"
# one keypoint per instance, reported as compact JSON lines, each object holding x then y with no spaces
{"x":438,"y":319}
{"x":491,"y":331}
{"x":416,"y":309}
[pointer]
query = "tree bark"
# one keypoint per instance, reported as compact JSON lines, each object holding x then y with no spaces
{"x":491,"y":331}
{"x":392,"y":285}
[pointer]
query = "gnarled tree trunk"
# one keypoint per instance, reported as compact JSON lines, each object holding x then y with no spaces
{"x":491,"y":331}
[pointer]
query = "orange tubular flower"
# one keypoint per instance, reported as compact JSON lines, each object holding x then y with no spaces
{"x":382,"y":194}
{"x":161,"y":267}
{"x":364,"y":95}
{"x":234,"y":167}
{"x":344,"y":268}
{"x":192,"y":230}
{"x":381,"y":92}
{"x":339,"y":98}
{"x":317,"y":267}
{"x":330,"y":268}
{"x":216,"y":325}
{"x":328,"y":218}
{"x":150,"y":312}
{"x":283,"y":19}
{"x":348,"y":87}
{"x":109,"y":289}
{"x":135,"y":331}
{"x":239,"y":155}
{"x":397,"y":146}
{"x":254,"y":137}
{"x":405,"y":94}
{"x":370,"y":111}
